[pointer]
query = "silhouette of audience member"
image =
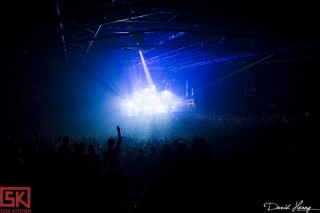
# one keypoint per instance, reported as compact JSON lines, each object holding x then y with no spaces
{"x":64,"y":173}
{"x":110,"y":156}
{"x":154,"y":162}
{"x":79,"y":156}
{"x":124,"y":197}
{"x":65,"y":151}
{"x":93,"y":176}
{"x":166,"y":155}
{"x":141,"y":160}
{"x":9,"y":158}
{"x":93,"y":162}
{"x":141,"y":170}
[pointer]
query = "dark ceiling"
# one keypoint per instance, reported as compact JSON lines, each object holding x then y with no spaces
{"x":173,"y":35}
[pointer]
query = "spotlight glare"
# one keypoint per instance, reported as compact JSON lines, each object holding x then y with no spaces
{"x":149,"y":101}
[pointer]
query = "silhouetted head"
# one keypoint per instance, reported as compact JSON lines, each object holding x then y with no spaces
{"x":181,"y":148}
{"x":196,"y":140}
{"x":66,"y":139}
{"x":140,"y":151}
{"x":80,"y":148}
{"x":153,"y":149}
{"x":91,"y":149}
{"x":110,"y":142}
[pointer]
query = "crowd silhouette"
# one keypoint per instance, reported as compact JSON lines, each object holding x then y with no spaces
{"x":236,"y":162}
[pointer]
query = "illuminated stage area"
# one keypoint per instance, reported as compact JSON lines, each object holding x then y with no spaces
{"x":149,"y":101}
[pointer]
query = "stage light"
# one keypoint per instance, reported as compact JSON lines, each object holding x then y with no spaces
{"x":148,"y":99}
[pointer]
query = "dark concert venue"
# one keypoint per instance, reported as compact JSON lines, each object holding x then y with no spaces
{"x":156,"y":106}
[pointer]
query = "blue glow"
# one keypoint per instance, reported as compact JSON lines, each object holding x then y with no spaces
{"x":149,"y":101}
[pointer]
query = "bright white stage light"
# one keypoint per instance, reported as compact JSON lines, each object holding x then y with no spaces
{"x":149,"y":101}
